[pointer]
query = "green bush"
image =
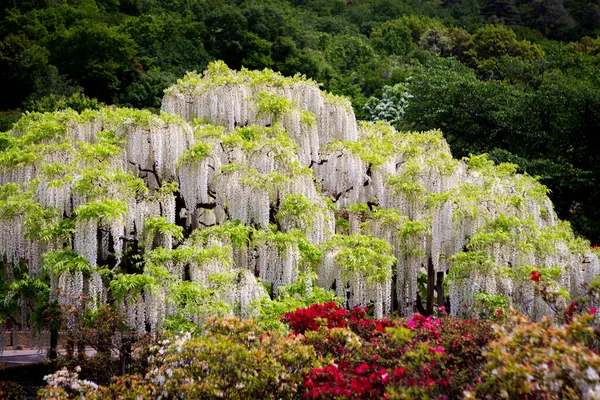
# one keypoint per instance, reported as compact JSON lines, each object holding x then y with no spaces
{"x":541,"y":361}
{"x":52,"y":103}
{"x":12,"y":391}
{"x":233,"y":359}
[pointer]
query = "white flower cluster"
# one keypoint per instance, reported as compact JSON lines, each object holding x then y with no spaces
{"x":70,"y":382}
{"x":233,"y":104}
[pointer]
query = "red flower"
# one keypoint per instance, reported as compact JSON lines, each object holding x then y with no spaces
{"x":361,"y":368}
{"x":593,"y":310}
{"x":535,"y":276}
{"x":398,"y":372}
{"x":385,"y":377}
{"x":500,"y":312}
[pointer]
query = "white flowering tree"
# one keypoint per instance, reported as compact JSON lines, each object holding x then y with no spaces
{"x":391,"y":107}
{"x":249,"y":181}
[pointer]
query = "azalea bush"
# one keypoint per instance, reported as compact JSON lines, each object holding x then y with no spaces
{"x":585,"y":306}
{"x":309,"y":319}
{"x":541,"y":360}
{"x":64,"y":384}
{"x":232,"y":359}
{"x":370,"y":358}
{"x":11,"y":390}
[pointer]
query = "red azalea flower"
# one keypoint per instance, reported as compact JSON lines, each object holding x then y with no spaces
{"x":535,"y":276}
{"x":385,"y":377}
{"x":500,"y":312}
{"x":593,"y":310}
{"x":373,"y":377}
{"x":361,"y":368}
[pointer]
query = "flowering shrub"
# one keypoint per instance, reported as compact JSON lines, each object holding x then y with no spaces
{"x":307,"y":319}
{"x":233,"y":359}
{"x":127,"y":387}
{"x":372,"y":358}
{"x":541,"y":361}
{"x":585,"y":305}
{"x":66,"y":385}
{"x":11,"y":390}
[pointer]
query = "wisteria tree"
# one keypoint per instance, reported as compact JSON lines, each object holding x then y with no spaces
{"x":249,"y":182}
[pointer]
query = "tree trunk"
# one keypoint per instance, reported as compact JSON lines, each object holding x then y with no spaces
{"x":80,"y":350}
{"x":70,"y":346}
{"x":53,"y":353}
{"x":439,"y":287}
{"x":125,"y":355}
{"x":430,"y":287}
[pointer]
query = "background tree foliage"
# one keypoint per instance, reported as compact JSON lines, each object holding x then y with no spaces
{"x":516,"y":78}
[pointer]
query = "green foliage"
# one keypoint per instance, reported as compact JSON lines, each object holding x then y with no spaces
{"x":104,"y":210}
{"x":162,"y":226}
{"x":219,"y":362}
{"x":273,"y":105}
{"x":195,"y":154}
{"x":23,"y":62}
{"x":66,"y":260}
{"x":361,"y":255}
{"x":130,"y":284}
{"x":392,"y":37}
{"x":491,"y":42}
{"x":390,"y":108}
{"x":147,"y":90}
{"x":102,"y":71}
{"x":466,"y":264}
{"x":297,"y":206}
{"x":235,"y":231}
{"x":52,"y":103}
{"x":491,"y":305}
{"x":7,"y":120}
{"x":540,"y":358}
{"x":195,"y":302}
{"x":418,"y":25}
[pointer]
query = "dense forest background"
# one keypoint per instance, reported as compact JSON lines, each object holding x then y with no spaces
{"x":518,"y":79}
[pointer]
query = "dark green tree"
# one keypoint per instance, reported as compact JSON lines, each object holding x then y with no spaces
{"x":22,"y":62}
{"x":98,"y":57}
